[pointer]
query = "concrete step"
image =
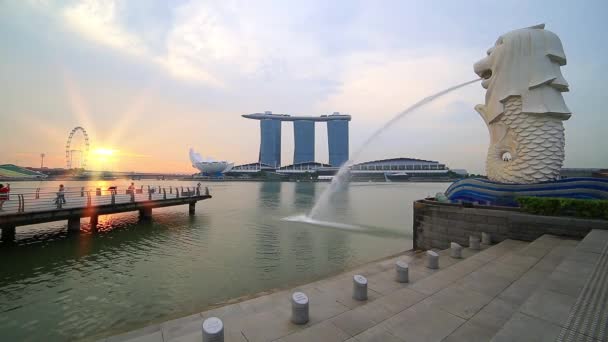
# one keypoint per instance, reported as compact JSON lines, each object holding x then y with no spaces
{"x":571,"y":304}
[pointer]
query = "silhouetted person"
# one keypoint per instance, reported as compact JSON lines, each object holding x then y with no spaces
{"x":131,"y":189}
{"x":4,"y":190}
{"x":61,"y":194}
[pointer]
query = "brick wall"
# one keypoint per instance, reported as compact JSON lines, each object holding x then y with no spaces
{"x":438,"y":224}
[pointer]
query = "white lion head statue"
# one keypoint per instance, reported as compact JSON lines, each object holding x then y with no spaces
{"x":526,"y":63}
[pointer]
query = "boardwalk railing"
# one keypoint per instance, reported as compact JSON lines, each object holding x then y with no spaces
{"x":23,"y":200}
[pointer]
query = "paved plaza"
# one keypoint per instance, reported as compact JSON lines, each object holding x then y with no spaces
{"x":547,"y":290}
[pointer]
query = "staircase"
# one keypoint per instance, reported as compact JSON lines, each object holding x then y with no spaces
{"x":572,"y":303}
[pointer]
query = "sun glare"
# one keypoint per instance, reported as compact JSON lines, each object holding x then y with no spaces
{"x":104,"y":152}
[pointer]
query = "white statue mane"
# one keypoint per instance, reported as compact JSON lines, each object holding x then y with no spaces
{"x":526,"y":63}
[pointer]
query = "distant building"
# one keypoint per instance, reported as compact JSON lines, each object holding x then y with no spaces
{"x":583,"y":172}
{"x":304,"y":137}
{"x":411,"y":166}
{"x":209,"y":167}
{"x":460,"y":172}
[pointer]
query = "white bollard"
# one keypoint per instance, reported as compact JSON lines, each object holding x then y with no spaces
{"x":299,"y":308}
{"x":403,"y":271}
{"x":213,"y":330}
{"x":359,"y":287}
{"x":432,"y":260}
{"x":474,"y":243}
{"x":455,"y":250}
{"x":486,"y":239}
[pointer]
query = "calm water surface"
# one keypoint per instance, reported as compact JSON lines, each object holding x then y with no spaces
{"x":56,"y":286}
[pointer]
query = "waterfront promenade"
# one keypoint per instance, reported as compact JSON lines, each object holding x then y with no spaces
{"x":549,"y":289}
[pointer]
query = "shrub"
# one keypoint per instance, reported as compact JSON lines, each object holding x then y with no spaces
{"x":585,"y":208}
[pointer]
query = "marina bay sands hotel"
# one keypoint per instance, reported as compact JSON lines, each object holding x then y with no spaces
{"x":304,"y":137}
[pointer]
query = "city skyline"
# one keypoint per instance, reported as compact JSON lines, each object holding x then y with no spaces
{"x":147,"y":80}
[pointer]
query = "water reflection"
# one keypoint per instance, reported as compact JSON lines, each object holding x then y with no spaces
{"x":304,"y":195}
{"x":270,"y":194}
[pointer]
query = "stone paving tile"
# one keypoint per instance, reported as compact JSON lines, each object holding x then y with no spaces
{"x":494,"y":315}
{"x":436,"y":282}
{"x":181,"y":326}
{"x":355,"y":321}
{"x":399,"y":300}
{"x":470,"y":331}
{"x":577,"y":268}
{"x":565,"y":283}
{"x":266,"y":326}
{"x":384,"y":282}
{"x":150,"y":330}
{"x":522,"y":327}
{"x":378,"y":333}
{"x":507,"y":271}
{"x":523,"y":262}
{"x":458,"y":301}
{"x":520,"y":290}
{"x":484,"y":282}
{"x":423,"y":323}
{"x":548,"y":305}
{"x":325,"y":331}
{"x":151,"y":337}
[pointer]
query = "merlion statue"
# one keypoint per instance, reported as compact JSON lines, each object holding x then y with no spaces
{"x":524,"y":106}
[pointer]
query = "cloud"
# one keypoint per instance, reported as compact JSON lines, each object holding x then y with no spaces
{"x":98,"y":21}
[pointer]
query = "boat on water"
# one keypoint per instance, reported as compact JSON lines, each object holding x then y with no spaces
{"x":397,"y":176}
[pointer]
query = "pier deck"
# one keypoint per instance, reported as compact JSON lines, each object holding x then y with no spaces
{"x":24,"y":209}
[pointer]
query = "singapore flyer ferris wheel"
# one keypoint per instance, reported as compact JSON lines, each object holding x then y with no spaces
{"x":69,"y":151}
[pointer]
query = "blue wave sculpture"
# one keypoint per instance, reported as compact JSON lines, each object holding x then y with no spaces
{"x":493,"y":193}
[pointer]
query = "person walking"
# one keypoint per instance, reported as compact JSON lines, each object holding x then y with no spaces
{"x":131,"y":189}
{"x":4,"y":191}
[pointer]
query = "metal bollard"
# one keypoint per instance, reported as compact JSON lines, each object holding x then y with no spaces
{"x":474,"y":243}
{"x":486,"y":239}
{"x":299,"y":308}
{"x":159,"y":189}
{"x":455,"y":250}
{"x":164,"y":193}
{"x":88,"y":198}
{"x":359,"y":287}
{"x":82,"y":191}
{"x":213,"y":330}
{"x":98,"y":192}
{"x":403,"y":271}
{"x":206,"y":191}
{"x":113,"y":200}
{"x":37,"y":193}
{"x":432,"y":260}
{"x":132,"y":195}
{"x":170,"y":190}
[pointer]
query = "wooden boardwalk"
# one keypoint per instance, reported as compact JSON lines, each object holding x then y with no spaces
{"x":25,"y":208}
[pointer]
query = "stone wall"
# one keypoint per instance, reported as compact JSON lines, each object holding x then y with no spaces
{"x":438,"y":224}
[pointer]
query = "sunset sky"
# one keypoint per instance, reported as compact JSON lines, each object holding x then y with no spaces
{"x":150,"y":79}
